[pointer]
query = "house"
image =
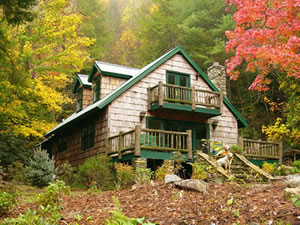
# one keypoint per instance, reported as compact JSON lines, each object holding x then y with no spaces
{"x":128,"y":113}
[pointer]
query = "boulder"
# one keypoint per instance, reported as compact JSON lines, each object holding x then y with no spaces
{"x":292,"y":180}
{"x":193,"y":185}
{"x":171,"y":178}
{"x":289,"y":192}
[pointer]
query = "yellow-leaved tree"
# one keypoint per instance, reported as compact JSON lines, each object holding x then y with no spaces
{"x":42,"y":57}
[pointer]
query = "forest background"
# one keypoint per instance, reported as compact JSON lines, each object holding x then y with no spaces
{"x":44,"y":43}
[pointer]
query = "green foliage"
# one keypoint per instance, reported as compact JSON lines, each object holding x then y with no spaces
{"x":118,"y":217}
{"x":125,"y":174}
{"x":13,"y":148}
{"x":41,"y":169}
{"x":7,"y":202}
{"x":199,"y":171}
{"x":66,"y":173}
{"x":178,"y":159}
{"x":17,"y":171}
{"x":143,"y":175}
{"x":49,"y":215}
{"x":236,"y":149}
{"x":53,"y":194}
{"x":296,"y":200}
{"x":93,"y":189}
{"x":163,"y":170}
{"x":296,"y":164}
{"x":268,"y":167}
{"x":96,"y":169}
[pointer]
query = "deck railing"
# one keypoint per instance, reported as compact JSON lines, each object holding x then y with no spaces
{"x":257,"y":149}
{"x":138,"y":139}
{"x":177,"y":94}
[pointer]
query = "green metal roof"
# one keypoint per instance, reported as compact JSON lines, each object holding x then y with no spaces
{"x":113,"y":70}
{"x":142,"y":73}
{"x":82,"y":79}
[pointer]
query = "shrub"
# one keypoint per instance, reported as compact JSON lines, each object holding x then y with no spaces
{"x":178,"y":160}
{"x":143,"y":175}
{"x":162,"y":171}
{"x":66,"y":173}
{"x":199,"y":171}
{"x":125,"y":174}
{"x":53,"y":194}
{"x":7,"y":201}
{"x":296,"y":164}
{"x":294,"y":170}
{"x":268,"y":167}
{"x":16,"y":171}
{"x":236,"y":149}
{"x":97,"y":169}
{"x":41,"y":169}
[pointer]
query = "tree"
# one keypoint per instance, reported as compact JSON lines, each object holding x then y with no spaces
{"x":266,"y":39}
{"x":43,"y":56}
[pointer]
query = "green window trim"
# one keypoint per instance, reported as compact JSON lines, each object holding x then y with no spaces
{"x":79,"y":99}
{"x":178,"y":76}
{"x":88,"y":136}
{"x":96,"y":88}
{"x":62,"y":144}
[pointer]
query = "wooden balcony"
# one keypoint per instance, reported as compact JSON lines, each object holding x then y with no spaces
{"x":149,"y":143}
{"x":261,"y":150}
{"x":183,"y":98}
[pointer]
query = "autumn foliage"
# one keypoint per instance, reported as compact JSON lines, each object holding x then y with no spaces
{"x":266,"y":38}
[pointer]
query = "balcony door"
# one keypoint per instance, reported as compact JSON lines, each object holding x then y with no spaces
{"x":175,"y":93}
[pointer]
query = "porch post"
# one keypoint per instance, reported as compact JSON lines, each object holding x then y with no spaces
{"x":221,"y":102}
{"x":189,"y":145}
{"x":121,"y":144}
{"x":160,"y":93}
{"x":137,"y":149}
{"x":193,"y":95}
{"x":149,"y":98}
{"x":107,"y":150}
{"x":280,"y":153}
{"x":240,"y":142}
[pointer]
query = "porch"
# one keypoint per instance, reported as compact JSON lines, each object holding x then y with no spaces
{"x":173,"y":97}
{"x":149,"y":143}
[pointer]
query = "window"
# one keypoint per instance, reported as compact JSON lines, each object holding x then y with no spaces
{"x":88,"y":136}
{"x":61,"y":144}
{"x":79,"y":99}
{"x":96,"y":88}
{"x":178,"y":79}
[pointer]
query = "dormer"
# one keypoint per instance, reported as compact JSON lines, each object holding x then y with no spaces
{"x":83,"y":91}
{"x":106,"y":77}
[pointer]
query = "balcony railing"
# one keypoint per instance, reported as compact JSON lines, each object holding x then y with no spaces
{"x":256,"y":149}
{"x":139,"y":139}
{"x":168,"y":93}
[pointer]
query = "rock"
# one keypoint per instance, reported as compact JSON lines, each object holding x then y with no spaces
{"x":171,"y":178}
{"x":289,"y":192}
{"x":191,"y":184}
{"x":292,"y":180}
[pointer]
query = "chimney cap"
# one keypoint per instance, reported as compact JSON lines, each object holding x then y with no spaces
{"x":216,"y":64}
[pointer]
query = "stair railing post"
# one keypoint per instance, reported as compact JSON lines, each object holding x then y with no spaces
{"x":189,"y":144}
{"x":160,"y":93}
{"x":121,"y":144}
{"x":137,"y":148}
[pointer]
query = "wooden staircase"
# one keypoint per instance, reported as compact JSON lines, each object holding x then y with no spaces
{"x":242,"y":170}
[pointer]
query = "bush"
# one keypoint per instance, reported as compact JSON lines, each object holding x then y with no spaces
{"x":143,"y":175}
{"x":268,"y":167}
{"x":7,"y":202}
{"x":66,"y":173}
{"x":162,"y":171}
{"x":97,"y":169}
{"x":125,"y":174}
{"x":199,"y":171}
{"x":53,"y":194}
{"x":294,"y":170}
{"x":296,"y":164}
{"x":41,"y":169}
{"x":236,"y":149}
{"x":16,"y":171}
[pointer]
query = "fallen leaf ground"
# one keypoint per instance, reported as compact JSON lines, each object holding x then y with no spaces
{"x":165,"y":204}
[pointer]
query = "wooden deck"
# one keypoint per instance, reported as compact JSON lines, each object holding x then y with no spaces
{"x":139,"y":139}
{"x":261,"y":150}
{"x":168,"y":93}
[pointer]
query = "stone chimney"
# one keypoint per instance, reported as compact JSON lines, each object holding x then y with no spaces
{"x":216,"y":73}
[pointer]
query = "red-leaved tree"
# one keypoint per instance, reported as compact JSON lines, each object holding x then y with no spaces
{"x":267,"y":38}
